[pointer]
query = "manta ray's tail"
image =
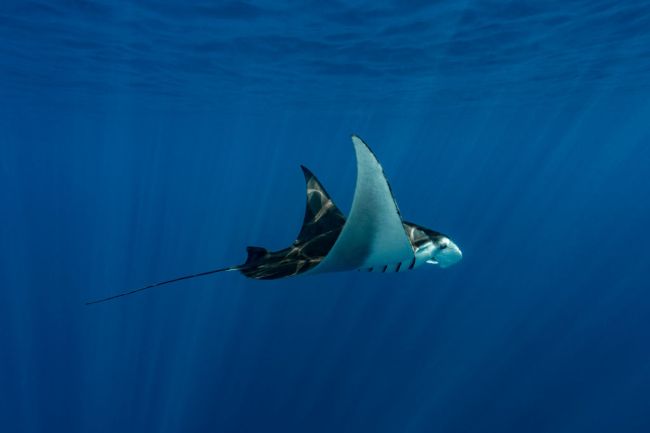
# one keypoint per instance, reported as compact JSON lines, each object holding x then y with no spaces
{"x":151,"y":286}
{"x":254,"y":255}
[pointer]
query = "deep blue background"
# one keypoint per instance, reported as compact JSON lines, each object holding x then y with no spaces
{"x":145,"y":140}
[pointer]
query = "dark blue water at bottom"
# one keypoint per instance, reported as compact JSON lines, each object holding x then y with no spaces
{"x":144,"y":142}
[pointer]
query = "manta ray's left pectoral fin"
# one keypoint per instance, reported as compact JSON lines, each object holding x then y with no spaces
{"x":373,"y":234}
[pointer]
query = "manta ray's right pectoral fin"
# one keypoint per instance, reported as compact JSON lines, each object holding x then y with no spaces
{"x":321,"y":214}
{"x":255,"y":254}
{"x":321,"y":227}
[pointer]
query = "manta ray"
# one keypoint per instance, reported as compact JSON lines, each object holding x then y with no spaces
{"x":373,"y":238}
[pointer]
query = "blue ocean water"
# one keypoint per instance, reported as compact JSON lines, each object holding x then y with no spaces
{"x":145,"y":140}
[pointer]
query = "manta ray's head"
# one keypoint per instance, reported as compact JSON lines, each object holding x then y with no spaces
{"x":435,"y":248}
{"x":444,"y":252}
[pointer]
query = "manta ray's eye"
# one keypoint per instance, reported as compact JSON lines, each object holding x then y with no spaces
{"x":442,"y":246}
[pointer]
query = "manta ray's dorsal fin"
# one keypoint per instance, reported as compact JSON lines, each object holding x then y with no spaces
{"x":373,"y":234}
{"x":321,"y":214}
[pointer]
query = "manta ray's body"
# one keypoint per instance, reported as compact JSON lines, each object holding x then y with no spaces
{"x":373,"y":238}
